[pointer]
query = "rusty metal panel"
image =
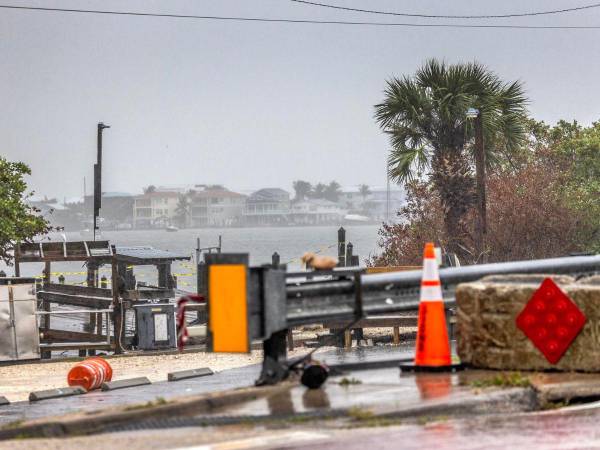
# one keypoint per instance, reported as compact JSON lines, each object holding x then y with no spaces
{"x":19,"y":334}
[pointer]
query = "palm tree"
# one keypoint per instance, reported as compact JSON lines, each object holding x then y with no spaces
{"x":332,"y":191}
{"x":430,"y":135}
{"x":150,"y":189}
{"x":183,"y":209}
{"x":319,"y":190}
{"x":364,"y":191}
{"x":302,"y":189}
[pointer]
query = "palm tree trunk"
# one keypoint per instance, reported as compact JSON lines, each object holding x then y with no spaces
{"x":452,"y":180}
{"x":481,"y":221}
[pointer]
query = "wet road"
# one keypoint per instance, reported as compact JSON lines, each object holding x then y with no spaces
{"x":557,"y":430}
{"x":227,"y":379}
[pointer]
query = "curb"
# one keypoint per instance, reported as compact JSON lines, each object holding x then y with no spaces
{"x":195,"y":411}
{"x":82,"y":424}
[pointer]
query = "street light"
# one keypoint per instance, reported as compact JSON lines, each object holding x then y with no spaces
{"x":481,"y":223}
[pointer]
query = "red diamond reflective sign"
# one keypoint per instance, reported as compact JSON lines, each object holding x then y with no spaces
{"x":551,"y":320}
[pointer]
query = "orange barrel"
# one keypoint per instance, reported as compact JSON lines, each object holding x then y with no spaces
{"x":90,"y":373}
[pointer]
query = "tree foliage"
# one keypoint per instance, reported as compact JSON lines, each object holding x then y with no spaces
{"x":19,"y":222}
{"x":543,"y":203}
{"x":304,"y":190}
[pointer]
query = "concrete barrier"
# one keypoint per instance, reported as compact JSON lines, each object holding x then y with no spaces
{"x":56,"y":393}
{"x":193,"y":373}
{"x":487,"y":334}
{"x":122,"y":384}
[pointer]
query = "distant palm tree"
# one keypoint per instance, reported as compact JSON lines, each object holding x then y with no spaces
{"x":184,"y":209}
{"x":430,"y":135}
{"x":319,"y":191}
{"x":364,"y":191}
{"x":332,"y":191}
{"x":302,"y":190}
{"x":150,"y":189}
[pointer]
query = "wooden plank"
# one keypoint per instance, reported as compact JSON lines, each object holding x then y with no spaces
{"x":77,"y":290}
{"x":59,"y":346}
{"x":55,"y":336}
{"x":148,"y":294}
{"x":376,"y":322}
{"x":75,"y":300}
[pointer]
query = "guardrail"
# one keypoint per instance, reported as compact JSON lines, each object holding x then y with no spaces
{"x":277,"y":300}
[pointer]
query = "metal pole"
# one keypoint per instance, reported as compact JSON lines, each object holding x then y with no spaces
{"x":98,"y":177}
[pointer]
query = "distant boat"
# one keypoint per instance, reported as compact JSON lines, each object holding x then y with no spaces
{"x":171,"y":228}
{"x":356,"y":218}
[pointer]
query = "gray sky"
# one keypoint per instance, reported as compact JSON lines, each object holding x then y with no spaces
{"x":251,"y":105}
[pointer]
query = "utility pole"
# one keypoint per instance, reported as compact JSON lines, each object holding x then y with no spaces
{"x":387,"y":195}
{"x":98,"y":178}
{"x":481,"y":225}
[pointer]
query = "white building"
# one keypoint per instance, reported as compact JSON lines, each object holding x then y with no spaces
{"x":317,"y":212}
{"x":154,"y":209}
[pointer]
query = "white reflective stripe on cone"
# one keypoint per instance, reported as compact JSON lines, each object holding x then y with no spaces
{"x":101,"y":373}
{"x":430,"y":269}
{"x":431,"y":293}
{"x":92,"y":371}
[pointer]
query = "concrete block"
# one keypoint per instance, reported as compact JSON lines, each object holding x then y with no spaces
{"x":122,"y":384}
{"x":4,"y":401}
{"x":488,"y":337}
{"x":193,"y":373}
{"x":56,"y":393}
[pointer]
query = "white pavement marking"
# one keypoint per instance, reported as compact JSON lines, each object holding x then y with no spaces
{"x":261,"y":441}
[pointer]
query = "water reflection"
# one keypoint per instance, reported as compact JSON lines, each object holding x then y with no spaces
{"x":433,"y":385}
{"x":315,"y":399}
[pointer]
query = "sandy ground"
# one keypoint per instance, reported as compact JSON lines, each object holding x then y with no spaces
{"x":17,"y":381}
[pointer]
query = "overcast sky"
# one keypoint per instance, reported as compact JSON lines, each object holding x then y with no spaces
{"x":251,"y":105}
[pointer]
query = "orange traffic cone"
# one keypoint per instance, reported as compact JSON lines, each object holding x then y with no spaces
{"x":432,"y":351}
{"x":90,"y":373}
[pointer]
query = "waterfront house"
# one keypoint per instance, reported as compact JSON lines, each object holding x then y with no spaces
{"x":316,"y":212}
{"x":269,"y":206}
{"x":216,"y":208}
{"x":154,"y":209}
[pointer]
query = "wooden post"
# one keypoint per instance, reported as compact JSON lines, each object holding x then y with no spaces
{"x":290,"y":339}
{"x":275,"y":260}
{"x":341,"y":247}
{"x":92,"y":269}
{"x":349,"y":255}
{"x":348,"y":339}
{"x":45,"y":303}
{"x":396,"y":336}
{"x":117,"y":306}
{"x":164,"y":275}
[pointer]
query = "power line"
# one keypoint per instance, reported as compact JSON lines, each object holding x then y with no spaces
{"x":438,"y":16}
{"x":301,"y":21}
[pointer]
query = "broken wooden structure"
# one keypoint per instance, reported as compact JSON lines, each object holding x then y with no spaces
{"x":107,"y":307}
